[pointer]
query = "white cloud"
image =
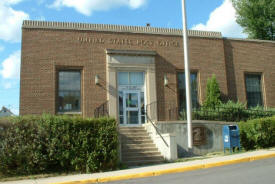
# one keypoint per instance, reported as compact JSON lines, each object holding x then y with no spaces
{"x":11,"y":21}
{"x":136,"y":3}
{"x":15,"y":110}
{"x":87,"y":7}
{"x":7,"y":85}
{"x":8,"y":2}
{"x":223,"y":19}
{"x":11,"y":66}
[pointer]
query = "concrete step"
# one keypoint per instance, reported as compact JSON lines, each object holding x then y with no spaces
{"x":133,"y":134}
{"x":143,"y":162}
{"x":139,"y":154}
{"x":135,"y":150}
{"x":137,"y":147}
{"x":132,"y":129}
{"x":135,"y":138}
{"x":134,"y":141}
{"x":136,"y":158}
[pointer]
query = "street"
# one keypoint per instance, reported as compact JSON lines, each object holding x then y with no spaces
{"x":257,"y":172}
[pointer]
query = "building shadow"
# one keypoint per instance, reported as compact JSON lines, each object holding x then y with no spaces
{"x":230,"y":70}
{"x":165,"y":68}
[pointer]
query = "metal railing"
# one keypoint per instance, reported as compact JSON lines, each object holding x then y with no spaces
{"x":102,"y":110}
{"x":219,"y":114}
{"x":152,"y":109}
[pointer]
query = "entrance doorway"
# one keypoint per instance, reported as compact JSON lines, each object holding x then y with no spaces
{"x":131,"y":107}
{"x":131,"y":98}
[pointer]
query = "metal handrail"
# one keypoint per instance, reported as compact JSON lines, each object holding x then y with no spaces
{"x":101,"y":110}
{"x":156,"y":128}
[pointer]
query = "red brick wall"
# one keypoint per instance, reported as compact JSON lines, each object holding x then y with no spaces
{"x":250,"y":57}
{"x":45,"y":51}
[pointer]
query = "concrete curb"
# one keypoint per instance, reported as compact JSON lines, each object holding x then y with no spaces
{"x":169,"y":171}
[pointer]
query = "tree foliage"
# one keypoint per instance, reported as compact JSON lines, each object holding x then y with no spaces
{"x":257,"y":17}
{"x":213,"y":93}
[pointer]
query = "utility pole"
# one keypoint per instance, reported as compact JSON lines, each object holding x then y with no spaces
{"x":187,"y":77}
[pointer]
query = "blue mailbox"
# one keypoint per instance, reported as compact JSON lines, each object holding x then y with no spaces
{"x":231,"y":137}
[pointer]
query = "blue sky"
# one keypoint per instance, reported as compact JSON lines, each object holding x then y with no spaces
{"x":209,"y":15}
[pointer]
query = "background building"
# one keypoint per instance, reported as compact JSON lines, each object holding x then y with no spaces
{"x":4,"y":112}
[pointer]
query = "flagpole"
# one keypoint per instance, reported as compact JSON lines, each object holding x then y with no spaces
{"x":187,"y":77}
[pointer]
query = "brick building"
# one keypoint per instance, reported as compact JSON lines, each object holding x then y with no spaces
{"x":74,"y":68}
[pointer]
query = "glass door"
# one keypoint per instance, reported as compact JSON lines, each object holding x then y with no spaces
{"x":131,"y":107}
{"x":131,"y":98}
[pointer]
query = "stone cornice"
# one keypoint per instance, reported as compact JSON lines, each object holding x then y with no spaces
{"x":31,"y":24}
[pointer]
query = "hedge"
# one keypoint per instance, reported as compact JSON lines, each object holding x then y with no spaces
{"x":230,"y":111}
{"x":258,"y":133}
{"x":45,"y":144}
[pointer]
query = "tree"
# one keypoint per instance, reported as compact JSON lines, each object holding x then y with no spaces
{"x":213,"y":93}
{"x":257,"y":17}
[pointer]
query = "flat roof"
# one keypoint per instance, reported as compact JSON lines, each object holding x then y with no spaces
{"x":35,"y":24}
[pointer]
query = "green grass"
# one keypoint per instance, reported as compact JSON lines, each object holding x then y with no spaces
{"x":32,"y":177}
{"x":47,"y":175}
{"x":209,"y":155}
{"x":217,"y":154}
{"x":122,"y":166}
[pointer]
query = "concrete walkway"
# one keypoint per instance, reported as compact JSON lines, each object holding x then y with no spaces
{"x":155,"y":170}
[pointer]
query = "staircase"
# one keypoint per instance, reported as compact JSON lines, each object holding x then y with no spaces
{"x":137,"y":147}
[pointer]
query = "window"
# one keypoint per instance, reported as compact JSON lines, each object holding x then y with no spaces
{"x":131,"y":78}
{"x":182,"y":92}
{"x":253,"y":90}
{"x":69,"y":91}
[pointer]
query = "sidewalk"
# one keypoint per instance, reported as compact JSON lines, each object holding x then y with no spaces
{"x":155,"y":170}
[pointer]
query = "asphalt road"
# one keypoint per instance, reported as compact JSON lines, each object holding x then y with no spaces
{"x":257,"y":172}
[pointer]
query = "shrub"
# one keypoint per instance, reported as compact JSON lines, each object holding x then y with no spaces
{"x":233,"y":105}
{"x":258,"y":133}
{"x":5,"y":123}
{"x":42,"y":144}
{"x":229,"y":111}
{"x":232,"y":111}
{"x":213,"y":93}
{"x":259,"y":112}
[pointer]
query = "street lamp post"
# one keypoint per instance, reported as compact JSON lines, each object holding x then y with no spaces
{"x":187,"y":77}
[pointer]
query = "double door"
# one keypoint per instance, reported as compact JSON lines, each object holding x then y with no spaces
{"x":133,"y":108}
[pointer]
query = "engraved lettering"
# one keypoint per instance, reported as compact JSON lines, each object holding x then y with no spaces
{"x":145,"y":43}
{"x":164,"y":43}
{"x":91,"y":40}
{"x":129,"y":42}
{"x":117,"y":41}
